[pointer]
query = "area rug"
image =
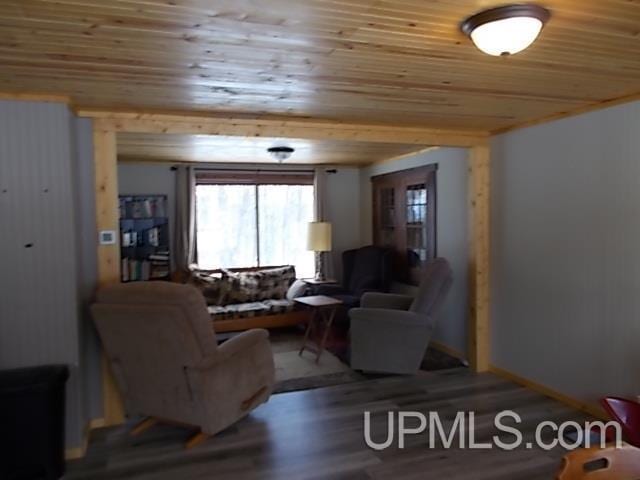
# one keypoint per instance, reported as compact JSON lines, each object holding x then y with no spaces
{"x":301,"y":372}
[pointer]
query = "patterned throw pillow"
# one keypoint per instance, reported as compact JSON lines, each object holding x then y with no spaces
{"x":275,"y":282}
{"x":266,"y":284}
{"x":243,"y":286}
{"x":214,"y":288}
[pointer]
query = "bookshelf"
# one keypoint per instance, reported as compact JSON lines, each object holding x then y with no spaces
{"x":144,"y":238}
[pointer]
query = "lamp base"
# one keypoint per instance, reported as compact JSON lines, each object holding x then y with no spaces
{"x":320,"y":276}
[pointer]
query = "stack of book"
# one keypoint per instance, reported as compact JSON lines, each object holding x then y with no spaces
{"x":159,"y":264}
{"x":135,"y":270}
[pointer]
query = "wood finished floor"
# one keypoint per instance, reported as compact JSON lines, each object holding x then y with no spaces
{"x":318,"y":434}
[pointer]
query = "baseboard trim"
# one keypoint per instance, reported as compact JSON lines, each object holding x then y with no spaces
{"x":76,"y":453}
{"x":590,"y":409}
{"x":448,"y":350}
{"x":97,"y":423}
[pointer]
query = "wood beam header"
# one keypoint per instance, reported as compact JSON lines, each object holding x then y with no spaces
{"x":171,"y":123}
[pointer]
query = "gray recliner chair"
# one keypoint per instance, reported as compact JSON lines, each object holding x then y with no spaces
{"x":390,"y":332}
{"x":167,"y":363}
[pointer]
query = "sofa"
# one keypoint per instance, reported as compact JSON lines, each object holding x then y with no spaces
{"x":244,"y":298}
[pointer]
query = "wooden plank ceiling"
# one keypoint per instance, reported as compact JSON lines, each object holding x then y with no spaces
{"x":400,"y":62}
{"x":224,"y":149}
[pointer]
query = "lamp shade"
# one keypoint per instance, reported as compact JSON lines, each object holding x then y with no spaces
{"x":319,"y":237}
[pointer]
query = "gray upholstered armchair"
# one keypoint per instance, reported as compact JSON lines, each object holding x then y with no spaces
{"x":390,"y":333}
{"x":164,"y":356}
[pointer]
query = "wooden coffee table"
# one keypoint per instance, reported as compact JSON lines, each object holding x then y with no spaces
{"x":324,"y":310}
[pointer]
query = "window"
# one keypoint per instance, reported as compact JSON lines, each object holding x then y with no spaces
{"x":247,"y":220}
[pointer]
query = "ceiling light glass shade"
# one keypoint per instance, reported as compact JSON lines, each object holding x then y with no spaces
{"x":280,"y":153}
{"x":506,"y":30}
{"x":507,"y":36}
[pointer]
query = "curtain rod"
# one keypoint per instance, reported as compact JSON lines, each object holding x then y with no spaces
{"x":329,"y":169}
{"x":268,"y":170}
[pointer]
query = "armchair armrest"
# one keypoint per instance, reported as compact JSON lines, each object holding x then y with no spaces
{"x":386,"y":300}
{"x":237,"y":378}
{"x":241,"y":343}
{"x":235,"y":345}
{"x":389,"y":316}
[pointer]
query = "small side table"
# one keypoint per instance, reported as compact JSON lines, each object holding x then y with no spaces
{"x":324,"y":311}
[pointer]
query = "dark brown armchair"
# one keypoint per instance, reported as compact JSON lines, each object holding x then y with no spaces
{"x":365,"y":269}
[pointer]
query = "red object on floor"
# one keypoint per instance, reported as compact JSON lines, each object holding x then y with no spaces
{"x":627,"y":414}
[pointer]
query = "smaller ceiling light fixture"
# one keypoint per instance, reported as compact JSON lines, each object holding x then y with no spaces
{"x":280,"y":153}
{"x":506,"y":30}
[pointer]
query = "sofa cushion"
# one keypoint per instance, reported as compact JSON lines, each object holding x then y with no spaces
{"x":271,"y":283}
{"x":214,"y":288}
{"x":275,"y":282}
{"x":297,"y":289}
{"x":250,"y":309}
{"x":243,"y":286}
{"x":279,"y":305}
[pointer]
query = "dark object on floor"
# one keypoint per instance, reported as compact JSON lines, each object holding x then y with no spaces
{"x":438,"y":360}
{"x":627,"y":414}
{"x":309,"y":383}
{"x":365,"y":269}
{"x":32,"y":405}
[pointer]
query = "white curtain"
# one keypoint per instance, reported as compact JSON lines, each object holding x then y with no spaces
{"x":185,"y":253}
{"x":321,"y":215}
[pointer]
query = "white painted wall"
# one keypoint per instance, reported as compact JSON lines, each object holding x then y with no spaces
{"x":343,"y":198}
{"x":343,"y":211}
{"x":565,"y":256}
{"x":46,"y":222}
{"x":452,"y":222}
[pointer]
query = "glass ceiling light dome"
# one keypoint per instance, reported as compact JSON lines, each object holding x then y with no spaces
{"x":506,"y":30}
{"x":281,"y":153}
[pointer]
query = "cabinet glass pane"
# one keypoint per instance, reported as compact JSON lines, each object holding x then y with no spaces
{"x":387,"y":208}
{"x":417,"y":238}
{"x":386,"y":233}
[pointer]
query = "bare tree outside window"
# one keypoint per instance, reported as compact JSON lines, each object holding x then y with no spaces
{"x":254,"y":225}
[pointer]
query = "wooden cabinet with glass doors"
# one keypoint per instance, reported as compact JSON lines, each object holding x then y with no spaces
{"x":404,"y":219}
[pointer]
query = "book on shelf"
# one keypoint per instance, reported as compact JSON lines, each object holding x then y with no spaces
{"x":159,"y":257}
{"x":124,"y":269}
{"x":159,"y":273}
{"x":133,"y":270}
{"x":143,"y":207}
{"x":153,"y":237}
{"x":129,"y":238}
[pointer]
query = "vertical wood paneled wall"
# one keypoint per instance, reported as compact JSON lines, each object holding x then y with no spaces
{"x":39,"y":300}
{"x":565,"y":254}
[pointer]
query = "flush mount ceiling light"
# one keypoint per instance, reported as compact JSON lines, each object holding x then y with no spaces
{"x":280,"y":153}
{"x":506,"y":30}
